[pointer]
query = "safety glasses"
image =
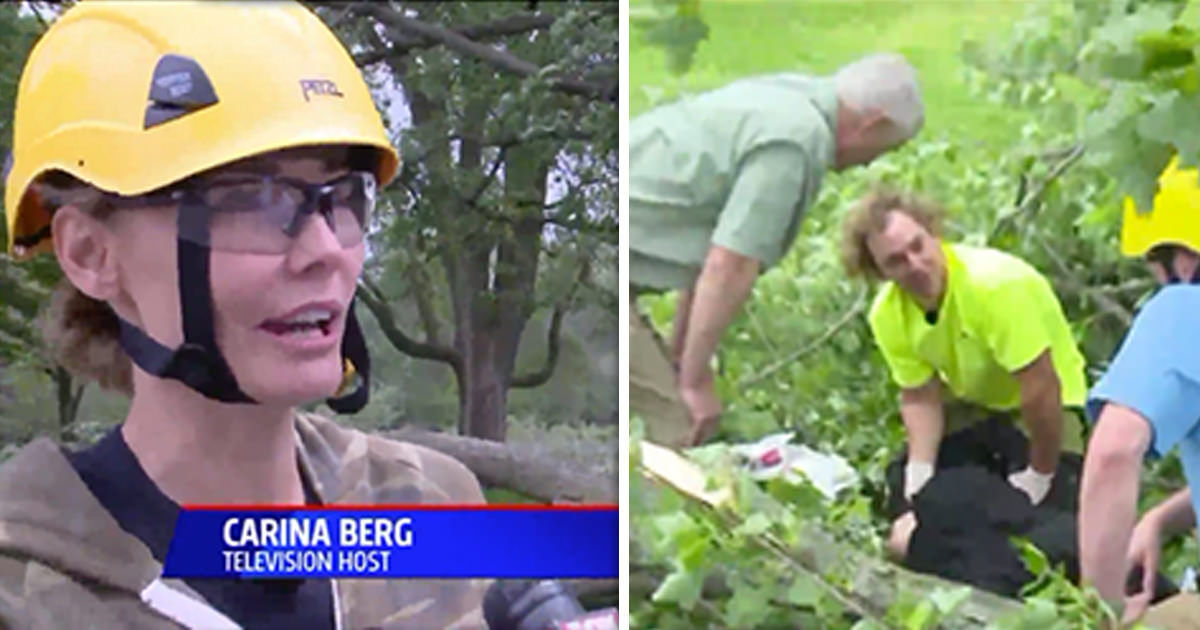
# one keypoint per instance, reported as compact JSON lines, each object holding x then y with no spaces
{"x":263,"y":214}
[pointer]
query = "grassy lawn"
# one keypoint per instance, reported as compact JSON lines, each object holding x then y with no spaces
{"x":750,"y":37}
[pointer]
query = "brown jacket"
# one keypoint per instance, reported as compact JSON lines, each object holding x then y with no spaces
{"x":65,"y":564}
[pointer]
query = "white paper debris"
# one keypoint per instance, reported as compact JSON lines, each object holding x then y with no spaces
{"x":774,"y":456}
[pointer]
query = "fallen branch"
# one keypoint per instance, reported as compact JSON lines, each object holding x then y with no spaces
{"x":873,"y":584}
{"x":523,"y":468}
{"x":860,"y":303}
{"x":1030,"y":200}
{"x":1106,"y":303}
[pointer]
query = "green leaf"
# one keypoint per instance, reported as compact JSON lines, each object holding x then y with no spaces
{"x":804,"y":591}
{"x":755,"y":525}
{"x":693,"y":550}
{"x":947,"y":599}
{"x":680,"y":587}
{"x":921,"y":617}
{"x":748,"y":606}
{"x":1032,"y":557}
{"x":1168,"y":49}
{"x":1171,"y":120}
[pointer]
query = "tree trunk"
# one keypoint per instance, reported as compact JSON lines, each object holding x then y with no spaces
{"x":519,"y":467}
{"x":69,"y":397}
{"x":482,"y":391}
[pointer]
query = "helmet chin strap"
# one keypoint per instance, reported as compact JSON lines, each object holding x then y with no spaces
{"x":198,"y":363}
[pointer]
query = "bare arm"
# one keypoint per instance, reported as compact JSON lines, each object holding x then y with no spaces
{"x":924,"y":420}
{"x":1041,"y":409}
{"x":683,"y":311}
{"x":1174,"y":516}
{"x":721,"y":289}
{"x":1108,"y":498}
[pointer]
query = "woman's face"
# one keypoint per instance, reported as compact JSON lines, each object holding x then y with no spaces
{"x":279,"y":315}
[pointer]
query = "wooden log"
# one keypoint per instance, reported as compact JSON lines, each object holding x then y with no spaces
{"x":520,"y":467}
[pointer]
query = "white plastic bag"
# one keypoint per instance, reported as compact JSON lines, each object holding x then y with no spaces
{"x":775,"y":456}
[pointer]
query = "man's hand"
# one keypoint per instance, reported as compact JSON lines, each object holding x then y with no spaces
{"x":722,"y":287}
{"x":705,"y":410}
{"x":1145,"y":548}
{"x":1033,"y":483}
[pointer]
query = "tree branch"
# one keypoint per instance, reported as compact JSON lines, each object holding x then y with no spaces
{"x":1106,"y":304}
{"x":506,"y":142}
{"x":543,"y":374}
{"x":373,"y":298}
{"x":1034,"y":196}
{"x":499,"y":59}
{"x":860,"y":303}
{"x":515,"y":24}
{"x":487,"y":179}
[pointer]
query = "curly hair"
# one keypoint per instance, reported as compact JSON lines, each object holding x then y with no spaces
{"x":871,"y":215}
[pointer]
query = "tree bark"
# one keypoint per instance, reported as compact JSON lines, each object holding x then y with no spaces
{"x":518,"y":467}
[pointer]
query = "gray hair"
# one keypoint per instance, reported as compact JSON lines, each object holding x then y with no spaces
{"x":885,"y":83}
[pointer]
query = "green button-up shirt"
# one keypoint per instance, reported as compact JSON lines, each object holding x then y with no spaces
{"x":736,"y":167}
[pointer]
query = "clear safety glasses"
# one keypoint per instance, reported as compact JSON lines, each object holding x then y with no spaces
{"x":262,"y":214}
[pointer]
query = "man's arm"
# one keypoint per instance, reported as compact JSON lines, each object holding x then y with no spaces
{"x":1174,"y":516}
{"x":924,"y":424}
{"x":723,"y":286}
{"x":1042,"y":411}
{"x":683,"y":311}
{"x":924,"y":420}
{"x":1108,"y":498}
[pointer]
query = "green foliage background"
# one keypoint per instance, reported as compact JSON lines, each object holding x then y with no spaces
{"x":1065,"y":106}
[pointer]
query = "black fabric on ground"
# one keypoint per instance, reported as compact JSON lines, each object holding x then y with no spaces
{"x":968,"y":513}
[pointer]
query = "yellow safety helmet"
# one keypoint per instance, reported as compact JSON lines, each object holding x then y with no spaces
{"x":1174,"y":218}
{"x":131,"y":96}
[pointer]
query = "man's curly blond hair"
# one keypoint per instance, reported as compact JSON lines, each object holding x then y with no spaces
{"x":870,"y":216}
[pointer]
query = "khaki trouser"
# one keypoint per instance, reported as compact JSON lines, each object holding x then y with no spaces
{"x":652,"y":392}
{"x":1180,"y":612}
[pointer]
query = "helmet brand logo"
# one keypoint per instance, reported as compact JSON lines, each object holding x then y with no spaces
{"x":318,"y":87}
{"x":177,"y":84}
{"x":178,"y":87}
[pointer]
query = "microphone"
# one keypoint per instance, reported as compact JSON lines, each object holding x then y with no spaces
{"x":540,"y":605}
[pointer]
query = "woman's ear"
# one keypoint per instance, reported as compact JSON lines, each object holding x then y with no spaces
{"x":86,"y":252}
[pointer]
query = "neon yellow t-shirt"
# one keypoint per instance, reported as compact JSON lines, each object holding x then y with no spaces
{"x":997,"y":316}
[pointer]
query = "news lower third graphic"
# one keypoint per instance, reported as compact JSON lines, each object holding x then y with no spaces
{"x":491,"y":541}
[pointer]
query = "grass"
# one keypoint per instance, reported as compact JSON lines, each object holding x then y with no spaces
{"x":750,"y":37}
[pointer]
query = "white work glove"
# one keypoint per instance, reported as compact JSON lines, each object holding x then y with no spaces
{"x":916,"y":475}
{"x":1033,"y":483}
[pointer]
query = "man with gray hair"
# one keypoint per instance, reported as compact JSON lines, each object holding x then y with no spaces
{"x":718,"y":185}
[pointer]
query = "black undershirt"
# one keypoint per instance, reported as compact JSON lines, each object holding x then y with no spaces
{"x":117,"y":480}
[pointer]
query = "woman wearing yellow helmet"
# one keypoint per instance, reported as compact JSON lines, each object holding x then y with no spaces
{"x":204,"y":173}
{"x":1148,"y":402}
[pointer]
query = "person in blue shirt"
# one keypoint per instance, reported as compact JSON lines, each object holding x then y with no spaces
{"x":1147,"y":403}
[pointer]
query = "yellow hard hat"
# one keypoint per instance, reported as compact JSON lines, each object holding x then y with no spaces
{"x":1174,"y":218}
{"x":131,"y":96}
